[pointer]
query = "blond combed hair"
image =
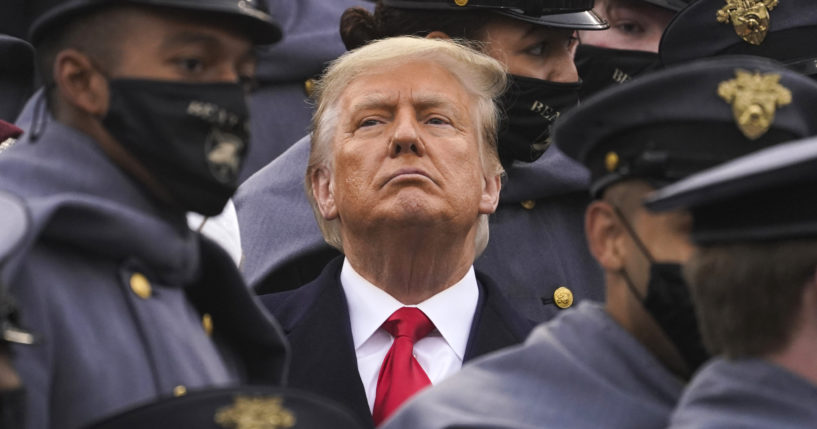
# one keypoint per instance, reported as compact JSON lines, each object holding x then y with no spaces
{"x":483,"y":77}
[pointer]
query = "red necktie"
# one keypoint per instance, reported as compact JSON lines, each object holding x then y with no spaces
{"x":401,"y":376}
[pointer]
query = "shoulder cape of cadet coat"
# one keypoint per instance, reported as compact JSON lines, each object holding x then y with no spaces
{"x":747,"y":394}
{"x":315,"y":319}
{"x":101,"y":346}
{"x":280,"y":107}
{"x":581,"y":370}
{"x":537,"y":241}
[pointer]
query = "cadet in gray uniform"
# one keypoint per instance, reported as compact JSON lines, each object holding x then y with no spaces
{"x":755,"y":289}
{"x":537,"y":247}
{"x":280,"y":104}
{"x":145,"y":119}
{"x":623,"y":364}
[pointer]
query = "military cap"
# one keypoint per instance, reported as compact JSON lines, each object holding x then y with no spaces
{"x":576,"y":14}
{"x":766,"y":195}
{"x":673,"y":5}
{"x":251,"y":14}
{"x":16,"y":76}
{"x":669,"y":124}
{"x":783,"y":30}
{"x":243,"y":407}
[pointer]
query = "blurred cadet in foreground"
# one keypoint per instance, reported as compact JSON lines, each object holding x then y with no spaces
{"x":537,"y":250}
{"x":245,"y":407}
{"x":144,"y":118}
{"x":754,"y":284}
{"x":623,"y":364}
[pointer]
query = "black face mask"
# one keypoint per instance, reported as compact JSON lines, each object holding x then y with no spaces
{"x":12,"y":403}
{"x":530,"y":108}
{"x":669,"y":303}
{"x":192,"y":137}
{"x":600,"y":68}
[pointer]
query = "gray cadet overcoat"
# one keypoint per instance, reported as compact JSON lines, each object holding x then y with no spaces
{"x":128,"y":304}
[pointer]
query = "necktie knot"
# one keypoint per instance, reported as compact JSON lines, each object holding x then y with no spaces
{"x":408,"y":322}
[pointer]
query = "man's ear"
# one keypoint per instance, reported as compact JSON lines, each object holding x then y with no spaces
{"x":323,"y":192}
{"x":437,"y":35}
{"x":605,"y":235}
{"x":79,"y":83}
{"x":490,"y":194}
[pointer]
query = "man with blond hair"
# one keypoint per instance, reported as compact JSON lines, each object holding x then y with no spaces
{"x":402,"y":175}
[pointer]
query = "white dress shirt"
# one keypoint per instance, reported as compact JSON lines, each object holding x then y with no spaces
{"x":440,"y":353}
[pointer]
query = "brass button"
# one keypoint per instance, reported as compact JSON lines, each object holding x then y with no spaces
{"x":528,"y":204}
{"x":207,"y":324}
{"x":140,"y":285}
{"x":461,"y":2}
{"x":563,"y":297}
{"x":611,"y":161}
{"x":179,"y":391}
{"x":309,"y":86}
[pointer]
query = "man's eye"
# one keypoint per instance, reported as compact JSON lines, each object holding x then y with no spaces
{"x":537,"y":50}
{"x":632,"y":28}
{"x":369,"y":122}
{"x":191,"y":65}
{"x":437,"y":121}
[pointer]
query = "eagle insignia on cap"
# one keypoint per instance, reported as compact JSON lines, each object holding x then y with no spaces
{"x":255,"y":413}
{"x":749,"y":17}
{"x":754,"y":98}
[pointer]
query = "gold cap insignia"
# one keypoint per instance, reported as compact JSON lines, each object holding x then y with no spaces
{"x":749,"y":17}
{"x":461,"y":2}
{"x":255,"y":413}
{"x":754,"y":98}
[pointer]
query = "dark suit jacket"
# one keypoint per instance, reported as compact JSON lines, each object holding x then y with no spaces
{"x":315,"y":319}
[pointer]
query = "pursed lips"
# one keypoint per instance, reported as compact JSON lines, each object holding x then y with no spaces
{"x":408,"y":172}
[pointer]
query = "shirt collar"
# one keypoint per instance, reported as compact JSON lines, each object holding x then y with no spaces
{"x":452,"y":310}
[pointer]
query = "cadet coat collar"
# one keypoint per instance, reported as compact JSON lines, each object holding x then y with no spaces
{"x":78,"y":197}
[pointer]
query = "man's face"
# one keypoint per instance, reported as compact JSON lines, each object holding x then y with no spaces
{"x":532,"y":50}
{"x":406,"y":153}
{"x":634,"y":25}
{"x":191,"y":48}
{"x":665,"y":235}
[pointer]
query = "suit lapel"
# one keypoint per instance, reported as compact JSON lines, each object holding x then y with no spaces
{"x":496,"y":324}
{"x":324,"y":359}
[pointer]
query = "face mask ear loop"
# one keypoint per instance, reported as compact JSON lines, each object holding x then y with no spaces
{"x":641,"y":247}
{"x":39,"y":122}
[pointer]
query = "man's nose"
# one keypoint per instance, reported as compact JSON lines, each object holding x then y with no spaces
{"x":406,"y":137}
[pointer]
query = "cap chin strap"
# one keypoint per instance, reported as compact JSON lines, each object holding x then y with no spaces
{"x":807,"y":67}
{"x":640,"y":244}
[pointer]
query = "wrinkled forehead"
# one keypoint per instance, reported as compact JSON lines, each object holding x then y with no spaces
{"x":421,"y":83}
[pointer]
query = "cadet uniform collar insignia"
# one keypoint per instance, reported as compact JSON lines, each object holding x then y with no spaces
{"x":754,"y":98}
{"x":749,"y":17}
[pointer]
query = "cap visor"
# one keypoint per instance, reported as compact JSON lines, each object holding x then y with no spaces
{"x":586,"y":20}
